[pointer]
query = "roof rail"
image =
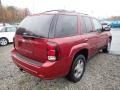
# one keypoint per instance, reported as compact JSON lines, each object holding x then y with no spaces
{"x":62,"y":10}
{"x":82,"y":13}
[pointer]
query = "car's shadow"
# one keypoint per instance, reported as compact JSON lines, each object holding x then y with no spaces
{"x":7,"y":45}
{"x":40,"y":84}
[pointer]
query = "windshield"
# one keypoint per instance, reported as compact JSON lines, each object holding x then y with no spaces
{"x":35,"y":25}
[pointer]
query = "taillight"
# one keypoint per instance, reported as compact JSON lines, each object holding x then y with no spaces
{"x":53,"y":52}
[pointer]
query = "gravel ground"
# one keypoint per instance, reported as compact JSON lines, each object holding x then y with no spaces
{"x":102,"y":73}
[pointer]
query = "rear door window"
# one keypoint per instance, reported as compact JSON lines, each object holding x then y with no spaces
{"x":66,"y":26}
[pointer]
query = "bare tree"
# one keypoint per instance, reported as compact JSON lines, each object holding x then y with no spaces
{"x":11,"y":14}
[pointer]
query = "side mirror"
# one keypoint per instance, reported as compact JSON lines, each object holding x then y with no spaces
{"x":106,"y":29}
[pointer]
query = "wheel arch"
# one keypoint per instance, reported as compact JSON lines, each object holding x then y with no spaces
{"x":83,"y":52}
{"x":110,"y":37}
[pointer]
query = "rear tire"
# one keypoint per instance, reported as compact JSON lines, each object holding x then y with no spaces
{"x":77,"y":69}
{"x":3,"y":41}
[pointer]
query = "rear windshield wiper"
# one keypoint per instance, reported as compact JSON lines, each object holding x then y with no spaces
{"x":26,"y":35}
{"x":30,"y":36}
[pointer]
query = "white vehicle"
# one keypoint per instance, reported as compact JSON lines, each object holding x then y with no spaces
{"x":105,"y":25}
{"x":6,"y":34}
{"x":6,"y":24}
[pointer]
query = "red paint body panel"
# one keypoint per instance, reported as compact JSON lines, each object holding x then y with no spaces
{"x":46,"y":70}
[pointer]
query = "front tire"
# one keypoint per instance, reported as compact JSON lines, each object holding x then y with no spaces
{"x":3,"y":41}
{"x":77,"y":69}
{"x":107,"y":48}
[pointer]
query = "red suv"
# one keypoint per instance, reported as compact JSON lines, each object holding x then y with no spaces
{"x":58,"y":43}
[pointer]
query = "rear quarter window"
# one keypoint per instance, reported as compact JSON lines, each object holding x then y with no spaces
{"x":66,"y":26}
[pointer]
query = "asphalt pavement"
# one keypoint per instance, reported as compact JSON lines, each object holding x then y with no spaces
{"x":115,"y":45}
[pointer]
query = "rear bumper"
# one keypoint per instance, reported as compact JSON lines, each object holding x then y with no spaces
{"x":47,"y":70}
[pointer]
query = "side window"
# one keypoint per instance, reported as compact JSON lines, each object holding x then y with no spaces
{"x":97,"y":25}
{"x":83,"y":26}
{"x":3,"y":30}
{"x":11,"y":29}
{"x":86,"y":24}
{"x":66,"y":26}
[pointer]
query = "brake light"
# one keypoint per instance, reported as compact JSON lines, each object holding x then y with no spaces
{"x":53,"y":51}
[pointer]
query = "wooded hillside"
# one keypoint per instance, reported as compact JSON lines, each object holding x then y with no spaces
{"x":12,"y":14}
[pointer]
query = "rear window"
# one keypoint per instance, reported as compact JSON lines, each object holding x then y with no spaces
{"x":66,"y":26}
{"x":36,"y":25}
